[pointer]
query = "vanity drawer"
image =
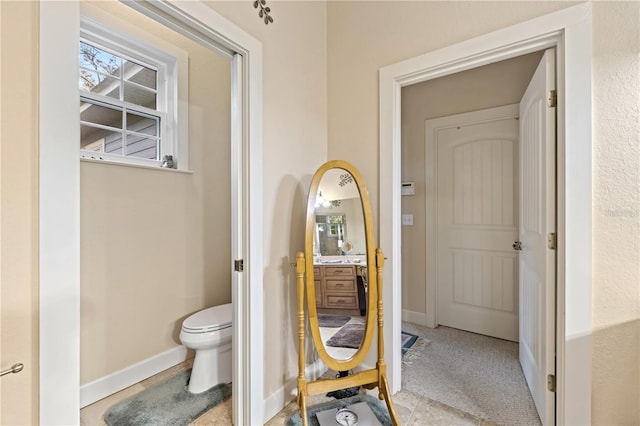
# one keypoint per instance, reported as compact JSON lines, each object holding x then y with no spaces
{"x":316,"y":271}
{"x":345,"y":302}
{"x":340,"y":285}
{"x":343,"y":271}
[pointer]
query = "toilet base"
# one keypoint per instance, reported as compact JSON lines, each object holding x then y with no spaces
{"x":210,"y":367}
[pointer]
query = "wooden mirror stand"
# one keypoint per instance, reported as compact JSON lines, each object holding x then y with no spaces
{"x":306,"y":286}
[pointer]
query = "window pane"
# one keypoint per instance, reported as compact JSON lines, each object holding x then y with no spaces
{"x":142,"y":124}
{"x":95,"y":59}
{"x":107,"y":116}
{"x":100,"y":140}
{"x":141,"y":147}
{"x":92,"y":81}
{"x":139,"y":95}
{"x":140,"y":74}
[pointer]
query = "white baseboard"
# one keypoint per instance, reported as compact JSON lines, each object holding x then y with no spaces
{"x":280,"y":398}
{"x":107,"y":385}
{"x":414,"y":317}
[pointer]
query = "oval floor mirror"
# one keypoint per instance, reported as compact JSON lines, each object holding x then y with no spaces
{"x":339,"y":275}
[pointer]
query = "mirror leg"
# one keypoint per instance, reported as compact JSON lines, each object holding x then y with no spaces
{"x":384,"y":389}
{"x":302,"y":402}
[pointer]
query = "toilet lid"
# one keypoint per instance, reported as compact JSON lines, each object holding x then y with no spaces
{"x":210,"y":319}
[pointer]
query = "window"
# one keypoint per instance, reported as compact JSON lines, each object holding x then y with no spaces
{"x":129,"y":99}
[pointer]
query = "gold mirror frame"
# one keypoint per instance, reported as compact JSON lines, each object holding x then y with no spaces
{"x":369,"y":378}
{"x":371,"y":295}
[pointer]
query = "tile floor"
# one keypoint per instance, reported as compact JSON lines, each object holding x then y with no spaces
{"x":412,"y":409}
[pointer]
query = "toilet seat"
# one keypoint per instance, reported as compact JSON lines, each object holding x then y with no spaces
{"x":208,"y":320}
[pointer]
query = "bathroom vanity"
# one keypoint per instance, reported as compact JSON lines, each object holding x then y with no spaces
{"x":340,"y":289}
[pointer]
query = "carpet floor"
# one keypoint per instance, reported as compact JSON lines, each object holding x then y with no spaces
{"x":477,"y":374}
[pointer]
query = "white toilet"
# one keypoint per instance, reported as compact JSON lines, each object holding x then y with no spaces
{"x":209,"y":332}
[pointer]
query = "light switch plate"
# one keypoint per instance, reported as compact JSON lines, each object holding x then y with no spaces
{"x":407,"y":219}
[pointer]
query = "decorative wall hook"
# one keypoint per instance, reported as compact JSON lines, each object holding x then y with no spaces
{"x":264,"y":11}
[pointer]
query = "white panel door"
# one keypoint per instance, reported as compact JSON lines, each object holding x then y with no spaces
{"x":537,"y":222}
{"x":476,"y":225}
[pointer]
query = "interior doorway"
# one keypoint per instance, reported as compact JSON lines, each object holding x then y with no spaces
{"x":483,"y":170}
{"x":569,"y":30}
{"x":160,"y":261}
{"x":59,"y":201}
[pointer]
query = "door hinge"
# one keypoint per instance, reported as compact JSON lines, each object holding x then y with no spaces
{"x":552,"y":100}
{"x":238,"y":265}
{"x":551,"y":382}
{"x":552,"y":240}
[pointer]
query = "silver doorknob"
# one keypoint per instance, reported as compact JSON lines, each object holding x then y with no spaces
{"x":15,"y":368}
{"x":517,"y":245}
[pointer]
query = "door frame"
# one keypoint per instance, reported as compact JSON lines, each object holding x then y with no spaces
{"x":431,"y":126}
{"x":569,"y":31}
{"x":59,"y":198}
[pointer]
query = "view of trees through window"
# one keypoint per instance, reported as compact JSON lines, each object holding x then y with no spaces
{"x":118,"y":104}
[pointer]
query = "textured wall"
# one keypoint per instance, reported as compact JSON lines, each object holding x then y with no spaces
{"x":616,"y":213}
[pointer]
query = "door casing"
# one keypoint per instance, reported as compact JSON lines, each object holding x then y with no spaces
{"x":569,"y":31}
{"x":59,"y":196}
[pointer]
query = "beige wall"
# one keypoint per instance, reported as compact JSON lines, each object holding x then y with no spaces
{"x":393,"y":31}
{"x":365,"y":36}
{"x":156,"y":244}
{"x":19,"y":211}
{"x":498,"y":84}
{"x":294,"y":51}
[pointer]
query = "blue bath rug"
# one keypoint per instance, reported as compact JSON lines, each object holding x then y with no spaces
{"x":378,"y":407}
{"x":408,"y":340}
{"x":166,"y":403}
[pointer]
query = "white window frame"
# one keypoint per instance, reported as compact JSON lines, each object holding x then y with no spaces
{"x":171,"y":63}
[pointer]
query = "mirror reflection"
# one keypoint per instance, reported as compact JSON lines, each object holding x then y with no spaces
{"x":340,"y":270}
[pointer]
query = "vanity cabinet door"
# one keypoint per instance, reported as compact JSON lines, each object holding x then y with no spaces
{"x":319,"y":299}
{"x":318,"y":273}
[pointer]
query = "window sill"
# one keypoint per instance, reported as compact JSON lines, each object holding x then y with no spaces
{"x":137,"y":166}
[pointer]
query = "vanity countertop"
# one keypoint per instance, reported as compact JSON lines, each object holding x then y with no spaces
{"x":329,"y":262}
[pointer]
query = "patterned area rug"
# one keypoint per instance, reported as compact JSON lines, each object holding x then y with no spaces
{"x":333,"y":321}
{"x":166,"y":403}
{"x":350,"y":336}
{"x":408,"y":340}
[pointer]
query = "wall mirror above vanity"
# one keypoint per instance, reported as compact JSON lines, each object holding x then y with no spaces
{"x":339,"y":220}
{"x":339,"y":275}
